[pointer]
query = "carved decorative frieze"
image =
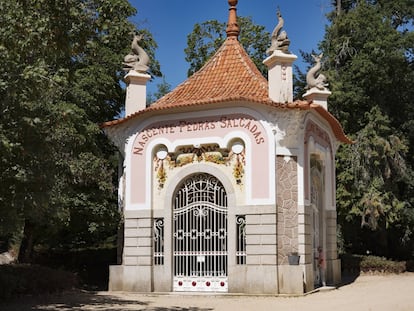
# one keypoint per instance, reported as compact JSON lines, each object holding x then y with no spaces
{"x":196,"y":154}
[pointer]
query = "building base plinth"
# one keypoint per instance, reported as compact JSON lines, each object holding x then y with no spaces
{"x":130,"y":279}
{"x":334,"y":271}
{"x":291,"y":280}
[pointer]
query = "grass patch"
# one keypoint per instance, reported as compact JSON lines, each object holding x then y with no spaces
{"x":19,"y":280}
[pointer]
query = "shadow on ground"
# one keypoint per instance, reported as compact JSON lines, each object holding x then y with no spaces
{"x":81,"y":300}
{"x":348,"y":279}
{"x":92,"y":301}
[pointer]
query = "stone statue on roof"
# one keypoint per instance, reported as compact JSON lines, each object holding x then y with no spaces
{"x":314,"y":79}
{"x":137,"y":59}
{"x":279,"y":39}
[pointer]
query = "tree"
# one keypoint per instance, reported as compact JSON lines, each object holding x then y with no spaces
{"x":369,"y":60}
{"x":59,"y":79}
{"x":369,"y":64}
{"x":162,"y":88}
{"x":379,"y":169}
{"x":207,"y":37}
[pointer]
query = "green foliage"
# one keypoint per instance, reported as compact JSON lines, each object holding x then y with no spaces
{"x":381,"y":264}
{"x":369,"y":63}
{"x":162,"y":89}
{"x":91,"y":265}
{"x":202,"y":43}
{"x":375,"y":166}
{"x":207,"y":37}
{"x":372,"y":264}
{"x":59,"y":79}
{"x":33,"y":280}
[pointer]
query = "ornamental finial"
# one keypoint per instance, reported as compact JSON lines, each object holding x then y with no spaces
{"x":279,"y":39}
{"x":137,"y":59}
{"x":233,"y":28}
{"x":314,"y":78}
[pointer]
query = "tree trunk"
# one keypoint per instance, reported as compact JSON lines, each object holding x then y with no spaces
{"x":338,"y":7}
{"x":26,"y":247}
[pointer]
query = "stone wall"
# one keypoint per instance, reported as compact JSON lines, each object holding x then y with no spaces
{"x":287,"y":209}
{"x":261,"y":250}
{"x":135,"y":272}
{"x":138,"y":233}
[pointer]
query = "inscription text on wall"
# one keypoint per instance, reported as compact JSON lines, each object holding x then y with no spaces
{"x":182,"y":126}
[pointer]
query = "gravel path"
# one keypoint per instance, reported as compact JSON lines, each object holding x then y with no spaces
{"x":367,"y":292}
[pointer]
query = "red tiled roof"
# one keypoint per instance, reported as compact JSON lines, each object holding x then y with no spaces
{"x":229,"y":76}
{"x":230,"y":73}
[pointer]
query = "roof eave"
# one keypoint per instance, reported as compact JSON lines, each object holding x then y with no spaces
{"x":302,"y":105}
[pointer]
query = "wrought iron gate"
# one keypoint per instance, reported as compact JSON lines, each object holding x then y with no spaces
{"x":200,"y":235}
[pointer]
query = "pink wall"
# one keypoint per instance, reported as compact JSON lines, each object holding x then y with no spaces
{"x":194,"y":130}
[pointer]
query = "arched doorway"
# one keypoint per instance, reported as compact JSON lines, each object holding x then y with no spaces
{"x":200,"y":246}
{"x":317,"y":203}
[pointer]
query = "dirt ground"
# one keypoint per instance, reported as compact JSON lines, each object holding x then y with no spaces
{"x":367,"y":292}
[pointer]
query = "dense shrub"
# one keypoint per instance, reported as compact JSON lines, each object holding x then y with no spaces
{"x":19,"y":280}
{"x":410,"y":265}
{"x":360,"y":263}
{"x":381,"y":264}
{"x":350,"y":264}
{"x":91,"y":265}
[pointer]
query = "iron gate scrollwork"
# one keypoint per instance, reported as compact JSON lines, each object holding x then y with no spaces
{"x":158,"y":241}
{"x":200,"y":235}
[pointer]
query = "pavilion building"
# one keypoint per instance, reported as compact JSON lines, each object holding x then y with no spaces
{"x":227,"y":183}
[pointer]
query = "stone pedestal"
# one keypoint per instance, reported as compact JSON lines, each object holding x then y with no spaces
{"x":116,"y":278}
{"x":317,"y":96}
{"x":280,"y":76}
{"x":136,"y":92}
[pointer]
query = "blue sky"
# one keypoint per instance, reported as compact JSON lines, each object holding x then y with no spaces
{"x":170,"y":21}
